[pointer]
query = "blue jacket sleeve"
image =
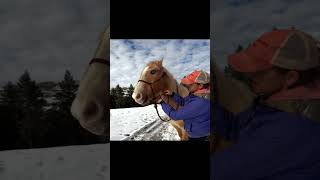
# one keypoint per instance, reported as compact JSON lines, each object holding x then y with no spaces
{"x":178,"y":99}
{"x":186,"y":112}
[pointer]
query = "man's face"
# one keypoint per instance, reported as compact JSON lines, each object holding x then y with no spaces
{"x":266,"y":82}
{"x":192,"y":87}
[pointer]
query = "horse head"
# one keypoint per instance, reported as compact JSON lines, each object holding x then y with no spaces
{"x":91,"y":105}
{"x":154,"y":79}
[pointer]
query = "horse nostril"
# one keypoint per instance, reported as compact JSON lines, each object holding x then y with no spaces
{"x":91,"y":109}
{"x":138,"y":96}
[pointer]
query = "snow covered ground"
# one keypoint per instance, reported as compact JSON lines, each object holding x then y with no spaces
{"x":140,"y":123}
{"x":58,"y":163}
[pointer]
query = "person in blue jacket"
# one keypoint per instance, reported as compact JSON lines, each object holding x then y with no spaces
{"x":194,"y":110}
{"x":278,"y":136}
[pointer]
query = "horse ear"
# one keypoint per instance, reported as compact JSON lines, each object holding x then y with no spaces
{"x":161,"y":60}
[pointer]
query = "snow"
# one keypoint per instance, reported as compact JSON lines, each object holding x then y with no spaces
{"x":63,"y":163}
{"x":137,"y":121}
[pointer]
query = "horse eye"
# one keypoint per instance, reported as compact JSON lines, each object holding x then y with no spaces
{"x":153,"y":71}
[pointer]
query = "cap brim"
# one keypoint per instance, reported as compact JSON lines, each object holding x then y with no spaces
{"x":186,"y":81}
{"x":243,"y":63}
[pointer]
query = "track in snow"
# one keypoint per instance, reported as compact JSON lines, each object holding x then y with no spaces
{"x":155,"y":131}
{"x":140,"y":124}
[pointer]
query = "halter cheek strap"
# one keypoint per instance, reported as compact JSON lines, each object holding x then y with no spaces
{"x":150,"y":83}
{"x":99,"y":60}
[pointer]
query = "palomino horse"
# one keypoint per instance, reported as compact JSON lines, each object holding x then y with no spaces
{"x":153,"y":81}
{"x":91,"y":104}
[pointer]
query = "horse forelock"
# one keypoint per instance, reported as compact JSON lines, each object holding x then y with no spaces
{"x":151,"y":65}
{"x":155,"y":63}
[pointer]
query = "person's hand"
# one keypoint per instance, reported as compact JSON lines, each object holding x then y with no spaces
{"x":165,"y":95}
{"x":164,"y":98}
{"x":168,"y":92}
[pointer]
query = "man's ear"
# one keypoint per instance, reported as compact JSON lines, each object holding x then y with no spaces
{"x":291,"y":78}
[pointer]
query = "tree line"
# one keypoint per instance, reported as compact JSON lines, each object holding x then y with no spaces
{"x":120,"y":97}
{"x":31,"y":118}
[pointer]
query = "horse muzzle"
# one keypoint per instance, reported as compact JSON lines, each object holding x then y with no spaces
{"x":91,"y":115}
{"x":141,"y":99}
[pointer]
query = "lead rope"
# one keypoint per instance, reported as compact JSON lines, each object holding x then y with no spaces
{"x":155,"y":106}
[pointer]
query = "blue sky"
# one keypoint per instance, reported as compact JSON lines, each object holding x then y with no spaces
{"x":129,"y":57}
{"x":235,"y":22}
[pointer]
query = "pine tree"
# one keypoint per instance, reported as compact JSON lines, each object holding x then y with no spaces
{"x":66,"y":94}
{"x":119,"y":97}
{"x":32,"y":125}
{"x":9,"y":95}
{"x":119,"y":91}
{"x":130,"y":100}
{"x":130,"y":90}
{"x":10,"y":113}
{"x":66,"y":127}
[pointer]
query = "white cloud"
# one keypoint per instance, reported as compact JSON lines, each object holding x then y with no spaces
{"x":181,"y":57}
